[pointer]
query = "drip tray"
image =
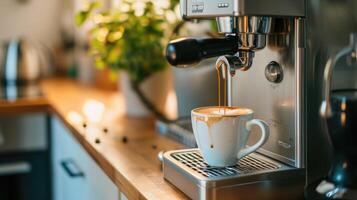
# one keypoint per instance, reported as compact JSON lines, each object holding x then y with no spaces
{"x":187,"y":170}
{"x":248,"y":164}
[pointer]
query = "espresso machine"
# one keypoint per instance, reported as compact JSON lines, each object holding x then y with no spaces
{"x":263,"y":49}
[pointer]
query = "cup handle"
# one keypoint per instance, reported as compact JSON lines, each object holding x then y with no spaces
{"x":264,"y":137}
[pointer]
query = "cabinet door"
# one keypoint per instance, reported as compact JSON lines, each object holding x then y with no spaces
{"x":74,"y":181}
{"x":100,"y":186}
{"x":123,"y":197}
{"x":77,"y":176}
{"x":69,"y":176}
{"x":58,"y":173}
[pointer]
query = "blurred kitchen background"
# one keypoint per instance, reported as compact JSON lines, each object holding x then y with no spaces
{"x":40,"y":39}
{"x":57,"y":46}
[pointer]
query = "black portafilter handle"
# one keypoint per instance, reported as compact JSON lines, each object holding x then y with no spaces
{"x":188,"y":51}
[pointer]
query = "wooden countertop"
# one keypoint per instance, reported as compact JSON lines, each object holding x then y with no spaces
{"x":23,"y":106}
{"x":128,"y":147}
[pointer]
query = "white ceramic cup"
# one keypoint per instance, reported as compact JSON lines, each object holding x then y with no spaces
{"x":222,"y":133}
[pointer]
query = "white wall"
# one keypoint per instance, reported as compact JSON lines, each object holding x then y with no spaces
{"x":38,"y":20}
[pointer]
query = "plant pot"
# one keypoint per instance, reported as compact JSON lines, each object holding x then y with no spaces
{"x":155,"y":88}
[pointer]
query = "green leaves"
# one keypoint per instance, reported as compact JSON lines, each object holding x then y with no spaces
{"x":129,"y":39}
{"x":83,"y":15}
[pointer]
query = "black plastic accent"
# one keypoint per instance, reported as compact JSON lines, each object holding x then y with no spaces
{"x":35,"y":185}
{"x":189,"y":51}
{"x":71,"y":173}
{"x":342,"y":129}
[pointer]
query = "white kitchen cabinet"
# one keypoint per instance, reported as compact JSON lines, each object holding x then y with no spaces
{"x":100,"y":187}
{"x":76,"y":175}
{"x":123,"y":197}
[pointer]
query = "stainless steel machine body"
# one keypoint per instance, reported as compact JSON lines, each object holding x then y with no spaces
{"x":195,"y":9}
{"x":287,"y":44}
{"x":278,"y":102}
{"x":267,"y":68}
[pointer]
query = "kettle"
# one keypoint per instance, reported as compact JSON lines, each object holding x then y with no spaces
{"x":23,"y":62}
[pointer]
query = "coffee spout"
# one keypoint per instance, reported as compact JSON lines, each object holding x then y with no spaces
{"x":242,"y":60}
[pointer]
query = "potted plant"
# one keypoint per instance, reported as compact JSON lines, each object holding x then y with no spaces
{"x":131,"y":39}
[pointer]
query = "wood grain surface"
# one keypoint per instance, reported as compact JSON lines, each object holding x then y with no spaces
{"x":125,"y":148}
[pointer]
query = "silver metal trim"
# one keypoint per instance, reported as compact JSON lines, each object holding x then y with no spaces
{"x":183,"y":8}
{"x":276,"y":156}
{"x":299,"y":87}
{"x":226,"y":24}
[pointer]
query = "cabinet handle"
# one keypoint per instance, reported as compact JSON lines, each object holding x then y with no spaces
{"x":71,"y":168}
{"x":15,"y":168}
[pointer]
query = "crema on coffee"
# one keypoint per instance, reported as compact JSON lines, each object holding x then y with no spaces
{"x":214,"y":114}
{"x":222,"y":111}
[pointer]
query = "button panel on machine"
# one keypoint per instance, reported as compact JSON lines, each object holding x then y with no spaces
{"x":223,"y":5}
{"x":197,"y":6}
{"x":196,"y":9}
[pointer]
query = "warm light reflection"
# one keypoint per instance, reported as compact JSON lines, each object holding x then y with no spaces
{"x":74,"y":117}
{"x":343,"y":116}
{"x":93,"y":110}
{"x":343,"y":106}
{"x":286,"y":104}
{"x":343,"y":119}
{"x":345,"y":165}
{"x":171,"y":105}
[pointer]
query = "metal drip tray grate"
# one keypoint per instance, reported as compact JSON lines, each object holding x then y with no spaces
{"x":248,"y":164}
{"x":187,"y":170}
